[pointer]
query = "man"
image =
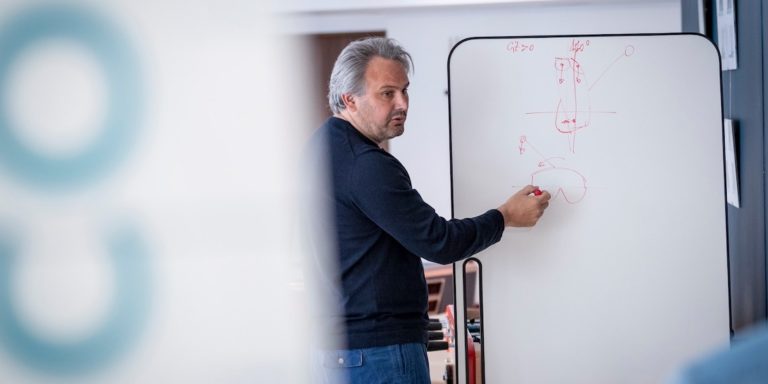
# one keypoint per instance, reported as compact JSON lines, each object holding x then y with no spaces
{"x":383,"y":227}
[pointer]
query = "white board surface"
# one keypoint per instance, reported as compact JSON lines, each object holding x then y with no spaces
{"x":625,"y":277}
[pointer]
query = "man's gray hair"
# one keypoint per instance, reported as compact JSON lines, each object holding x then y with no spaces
{"x":348,"y":75}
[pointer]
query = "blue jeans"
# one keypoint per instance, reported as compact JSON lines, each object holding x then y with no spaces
{"x":399,"y":363}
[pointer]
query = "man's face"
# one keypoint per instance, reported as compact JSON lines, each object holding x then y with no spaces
{"x":380,"y":112}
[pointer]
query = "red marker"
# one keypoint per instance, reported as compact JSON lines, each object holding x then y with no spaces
{"x":537,"y":192}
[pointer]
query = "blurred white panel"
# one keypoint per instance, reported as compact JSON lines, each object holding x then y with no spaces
{"x":147,"y":195}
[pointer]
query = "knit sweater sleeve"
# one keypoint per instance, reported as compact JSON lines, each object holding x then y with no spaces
{"x":382,"y":190}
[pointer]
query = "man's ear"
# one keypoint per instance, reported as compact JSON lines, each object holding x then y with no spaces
{"x":349,"y":101}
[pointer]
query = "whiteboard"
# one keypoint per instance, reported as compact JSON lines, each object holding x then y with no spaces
{"x":625,"y":277}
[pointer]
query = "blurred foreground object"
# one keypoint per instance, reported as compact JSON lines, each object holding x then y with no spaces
{"x":147,"y":183}
{"x":745,"y":362}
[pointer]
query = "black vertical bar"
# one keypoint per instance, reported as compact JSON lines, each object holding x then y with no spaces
{"x":764,"y":27}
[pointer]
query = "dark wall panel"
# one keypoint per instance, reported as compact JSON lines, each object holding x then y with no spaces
{"x":744,"y":101}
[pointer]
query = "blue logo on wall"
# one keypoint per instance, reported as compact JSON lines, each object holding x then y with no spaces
{"x":124,"y":320}
{"x":128,"y":254}
{"x":121,"y":70}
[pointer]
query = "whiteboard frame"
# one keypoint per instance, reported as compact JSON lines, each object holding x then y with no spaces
{"x":461,"y":372}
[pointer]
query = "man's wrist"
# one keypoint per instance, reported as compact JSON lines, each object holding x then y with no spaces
{"x":501,"y":217}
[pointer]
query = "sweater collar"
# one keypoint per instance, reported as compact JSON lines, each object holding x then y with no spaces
{"x":339,"y":122}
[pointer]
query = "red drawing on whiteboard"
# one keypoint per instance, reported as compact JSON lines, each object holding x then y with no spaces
{"x":573,"y":95}
{"x":560,"y":181}
{"x":573,"y":111}
{"x":521,"y":147}
{"x":515,"y":46}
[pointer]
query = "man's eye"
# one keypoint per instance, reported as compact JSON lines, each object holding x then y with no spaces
{"x":388,"y":93}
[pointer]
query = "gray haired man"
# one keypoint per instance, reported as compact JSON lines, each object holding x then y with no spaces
{"x":383,"y":228}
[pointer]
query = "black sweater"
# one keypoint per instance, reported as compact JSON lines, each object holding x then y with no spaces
{"x":383,"y":229}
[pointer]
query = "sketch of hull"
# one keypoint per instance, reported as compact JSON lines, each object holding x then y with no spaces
{"x":565,"y":182}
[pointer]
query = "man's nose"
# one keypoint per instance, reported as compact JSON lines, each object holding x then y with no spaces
{"x":401,"y":101}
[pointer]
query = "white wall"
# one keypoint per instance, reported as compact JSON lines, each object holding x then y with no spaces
{"x":346,"y":6}
{"x":429,"y":32}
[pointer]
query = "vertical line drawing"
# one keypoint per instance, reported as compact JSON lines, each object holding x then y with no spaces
{"x":572,"y":90}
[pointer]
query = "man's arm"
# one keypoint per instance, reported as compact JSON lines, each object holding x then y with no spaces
{"x":384,"y":193}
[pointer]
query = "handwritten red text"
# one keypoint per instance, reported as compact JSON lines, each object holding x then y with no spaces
{"x":515,"y":46}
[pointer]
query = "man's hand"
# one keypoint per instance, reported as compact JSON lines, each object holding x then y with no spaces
{"x":524,"y":208}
